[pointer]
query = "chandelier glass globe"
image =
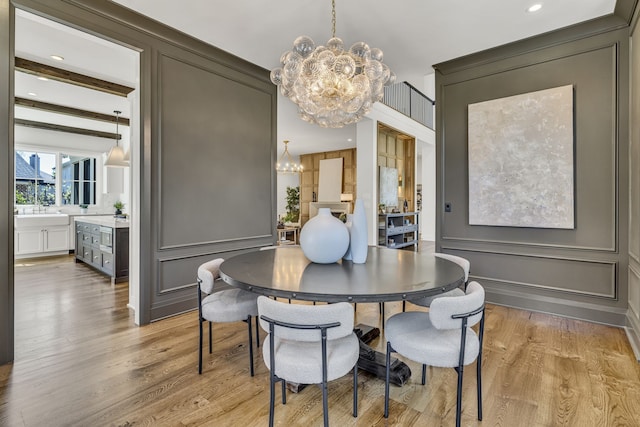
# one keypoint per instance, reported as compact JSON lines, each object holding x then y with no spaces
{"x":331,"y":85}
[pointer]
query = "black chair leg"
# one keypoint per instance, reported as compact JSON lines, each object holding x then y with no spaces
{"x":424,"y":374}
{"x":200,"y":320}
{"x":479,"y":381}
{"x":386,"y":381}
{"x":250,"y":346}
{"x":210,"y":340}
{"x":355,"y":390}
{"x":200,"y":349}
{"x":325,"y":405}
{"x":404,"y":306}
{"x":284,"y":392}
{"x":272,"y":397}
{"x":459,"y":397}
{"x":257,"y":332}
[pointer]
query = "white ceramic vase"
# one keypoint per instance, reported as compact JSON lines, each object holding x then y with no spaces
{"x":347,"y":256}
{"x":324,"y":239}
{"x":359,"y":238}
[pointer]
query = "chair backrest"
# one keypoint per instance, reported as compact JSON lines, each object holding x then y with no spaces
{"x":462,"y":262}
{"x":302,"y":314}
{"x":208,"y":273}
{"x":443,"y":308}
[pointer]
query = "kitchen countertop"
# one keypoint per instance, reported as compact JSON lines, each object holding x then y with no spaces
{"x":104,"y":220}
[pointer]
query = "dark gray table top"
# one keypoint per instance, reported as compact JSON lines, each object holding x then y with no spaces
{"x":388,"y":275}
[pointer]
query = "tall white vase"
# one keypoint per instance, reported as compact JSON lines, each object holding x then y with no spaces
{"x":324,"y":238}
{"x":349,"y":223}
{"x":359,"y":238}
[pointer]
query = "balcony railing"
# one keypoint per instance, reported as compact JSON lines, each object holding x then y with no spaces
{"x":408,"y":100}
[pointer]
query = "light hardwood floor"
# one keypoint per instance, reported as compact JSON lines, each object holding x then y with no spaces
{"x":80,"y":361}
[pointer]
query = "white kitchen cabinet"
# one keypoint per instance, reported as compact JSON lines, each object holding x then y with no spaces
{"x":56,"y":238}
{"x":29,"y":241}
{"x":41,"y":235}
{"x":39,"y":241}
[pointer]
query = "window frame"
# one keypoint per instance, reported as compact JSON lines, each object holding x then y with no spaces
{"x":59,"y":151}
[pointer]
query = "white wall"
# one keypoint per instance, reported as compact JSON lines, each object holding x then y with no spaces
{"x":367,"y":173}
{"x":282,"y":182}
{"x":428,"y":181}
{"x":367,"y":177}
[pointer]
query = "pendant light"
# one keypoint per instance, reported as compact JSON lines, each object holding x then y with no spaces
{"x":116,"y":154}
{"x":286,"y":164}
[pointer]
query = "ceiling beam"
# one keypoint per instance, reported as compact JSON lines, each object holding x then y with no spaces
{"x":70,"y":111}
{"x":58,"y":74}
{"x":67,"y":129}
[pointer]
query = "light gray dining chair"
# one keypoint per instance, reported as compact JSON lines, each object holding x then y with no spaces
{"x":223,"y":304}
{"x":308,"y":344}
{"x":443,"y":337}
{"x":456,"y":292}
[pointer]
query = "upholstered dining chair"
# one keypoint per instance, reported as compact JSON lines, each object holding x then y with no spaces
{"x":223,"y":304}
{"x":308,"y":344}
{"x":443,"y":337}
{"x":456,"y":292}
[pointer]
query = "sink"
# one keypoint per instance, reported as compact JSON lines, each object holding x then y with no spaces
{"x":37,"y":220}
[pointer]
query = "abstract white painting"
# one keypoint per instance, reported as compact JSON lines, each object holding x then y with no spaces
{"x":521,"y":157}
{"x":388,"y":186}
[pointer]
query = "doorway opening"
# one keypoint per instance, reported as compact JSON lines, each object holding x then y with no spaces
{"x":68,"y":83}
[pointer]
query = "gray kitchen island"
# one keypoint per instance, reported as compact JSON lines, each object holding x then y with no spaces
{"x":103,"y":243}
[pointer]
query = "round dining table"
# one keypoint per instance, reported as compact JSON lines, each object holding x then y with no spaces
{"x":387,"y":275}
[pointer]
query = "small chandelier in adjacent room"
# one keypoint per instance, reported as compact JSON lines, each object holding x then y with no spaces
{"x":332,"y":87}
{"x":116,"y":154}
{"x":285,"y":162}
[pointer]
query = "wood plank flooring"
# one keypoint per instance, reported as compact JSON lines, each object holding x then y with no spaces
{"x":80,"y":361}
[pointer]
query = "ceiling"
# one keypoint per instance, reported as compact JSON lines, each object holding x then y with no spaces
{"x":413,"y":34}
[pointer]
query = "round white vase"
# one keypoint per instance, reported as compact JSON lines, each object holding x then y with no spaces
{"x":324,"y":239}
{"x":359,"y":237}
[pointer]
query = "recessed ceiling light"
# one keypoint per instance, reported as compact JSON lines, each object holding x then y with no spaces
{"x":44,"y":79}
{"x":32,"y":94}
{"x":534,"y":7}
{"x":57,"y":57}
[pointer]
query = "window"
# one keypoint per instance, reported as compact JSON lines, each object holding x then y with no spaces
{"x":35,"y":178}
{"x":78,"y":180}
{"x":37,"y":182}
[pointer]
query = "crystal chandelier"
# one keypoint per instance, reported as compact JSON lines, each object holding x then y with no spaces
{"x":285,"y":162}
{"x":332,"y":87}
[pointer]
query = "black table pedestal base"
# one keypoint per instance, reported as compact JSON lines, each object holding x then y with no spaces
{"x":375,"y":362}
{"x":371,"y":361}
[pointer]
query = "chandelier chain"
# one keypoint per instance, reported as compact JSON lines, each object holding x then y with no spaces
{"x":333,"y":17}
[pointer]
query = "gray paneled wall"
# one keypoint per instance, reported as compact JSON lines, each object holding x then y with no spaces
{"x":214,"y":142}
{"x":633,"y":313}
{"x":581,"y":272}
{"x":214,"y":185}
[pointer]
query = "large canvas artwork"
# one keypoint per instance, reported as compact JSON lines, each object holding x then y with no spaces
{"x":388,"y":186}
{"x":521,"y":160}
